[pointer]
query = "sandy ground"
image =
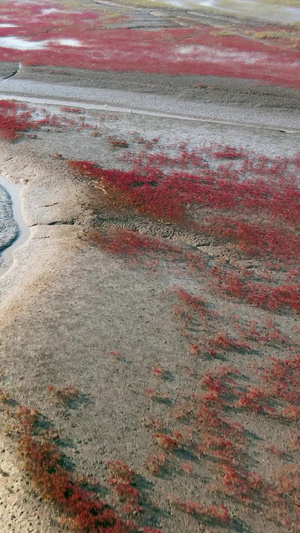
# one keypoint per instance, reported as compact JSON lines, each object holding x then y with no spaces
{"x":65,"y":304}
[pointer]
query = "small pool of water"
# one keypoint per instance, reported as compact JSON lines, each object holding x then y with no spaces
{"x":7,"y":254}
{"x":16,"y":43}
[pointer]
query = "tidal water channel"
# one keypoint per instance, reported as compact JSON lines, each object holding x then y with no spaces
{"x":6,"y":253}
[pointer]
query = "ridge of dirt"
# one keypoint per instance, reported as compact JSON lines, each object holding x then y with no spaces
{"x":209,"y":89}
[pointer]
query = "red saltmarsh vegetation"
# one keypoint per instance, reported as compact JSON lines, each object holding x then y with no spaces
{"x":254,"y":204}
{"x":196,"y":50}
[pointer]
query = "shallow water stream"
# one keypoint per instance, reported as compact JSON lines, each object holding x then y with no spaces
{"x":259,"y":9}
{"x":251,"y":8}
{"x":24,"y":232}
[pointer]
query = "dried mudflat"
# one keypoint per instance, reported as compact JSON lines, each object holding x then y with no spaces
{"x":65,"y":304}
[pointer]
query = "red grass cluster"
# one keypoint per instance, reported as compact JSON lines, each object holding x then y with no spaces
{"x":272,"y":297}
{"x":130,"y":244}
{"x":14,"y":120}
{"x":17,"y":118}
{"x":45,"y":464}
{"x":257,"y":240}
{"x":278,"y":395}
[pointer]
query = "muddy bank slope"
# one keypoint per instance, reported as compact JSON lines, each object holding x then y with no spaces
{"x":51,"y":206}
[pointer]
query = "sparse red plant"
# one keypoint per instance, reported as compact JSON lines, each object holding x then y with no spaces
{"x":196,"y":303}
{"x":121,"y":479}
{"x":155,"y":462}
{"x":157,"y":395}
{"x":194,"y":349}
{"x":64,"y":395}
{"x":67,"y":109}
{"x":294,"y":441}
{"x":283,"y":492}
{"x":165,"y":441}
{"x":115,"y":353}
{"x":188,"y":468}
{"x":275,"y":450}
{"x":239,"y":483}
{"x":228,"y":152}
{"x":181,"y":411}
{"x":222,"y":340}
{"x":118,"y":143}
{"x":278,"y":394}
{"x":150,"y":530}
{"x":218,"y":513}
{"x":155,"y":423}
{"x":158,"y":371}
